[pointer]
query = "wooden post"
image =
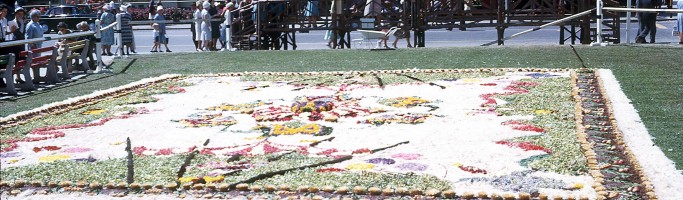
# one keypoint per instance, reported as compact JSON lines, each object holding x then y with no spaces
{"x":131,"y":172}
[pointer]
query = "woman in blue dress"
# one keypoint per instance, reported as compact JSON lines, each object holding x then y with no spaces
{"x":679,"y":22}
{"x":107,"y":35}
{"x":34,"y":30}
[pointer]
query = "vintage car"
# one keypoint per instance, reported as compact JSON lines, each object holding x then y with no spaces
{"x":69,"y":14}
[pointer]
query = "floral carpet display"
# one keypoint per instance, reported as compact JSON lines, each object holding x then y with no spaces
{"x":484,"y":133}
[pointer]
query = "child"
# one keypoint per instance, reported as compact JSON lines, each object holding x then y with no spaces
{"x":63,"y":30}
{"x":157,"y":40}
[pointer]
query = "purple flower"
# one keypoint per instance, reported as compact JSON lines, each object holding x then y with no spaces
{"x":407,"y":156}
{"x":540,"y":75}
{"x":10,"y":155}
{"x":412,"y":167}
{"x":77,"y":150}
{"x":383,"y":161}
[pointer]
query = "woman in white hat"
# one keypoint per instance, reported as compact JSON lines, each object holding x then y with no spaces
{"x":127,"y":29}
{"x":206,"y":26}
{"x":107,"y":35}
{"x":198,"y":25}
{"x":159,"y":19}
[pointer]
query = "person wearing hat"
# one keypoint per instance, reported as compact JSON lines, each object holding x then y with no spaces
{"x":107,"y":19}
{"x":62,"y":29}
{"x":159,"y":19}
{"x":126,"y":29}
{"x":206,"y":26}
{"x":17,"y":27}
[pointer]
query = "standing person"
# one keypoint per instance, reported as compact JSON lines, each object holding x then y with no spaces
{"x":126,"y":30}
{"x":156,"y":47}
{"x":206,"y":26}
{"x":159,"y":19}
{"x":312,"y":12}
{"x":4,"y":26}
{"x":17,"y":27}
{"x":34,"y":30}
{"x":647,"y":21}
{"x":152,"y":10}
{"x":215,"y":24}
{"x":193,"y":25}
{"x":107,"y":35}
{"x":679,"y":22}
{"x":197,"y":36}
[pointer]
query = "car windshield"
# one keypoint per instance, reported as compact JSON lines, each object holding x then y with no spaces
{"x":70,"y":10}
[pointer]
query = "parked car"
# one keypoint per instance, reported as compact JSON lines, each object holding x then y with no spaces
{"x":69,"y":14}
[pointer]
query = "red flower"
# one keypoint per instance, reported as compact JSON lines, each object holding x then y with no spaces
{"x":139,"y":150}
{"x":331,"y":169}
{"x":526,"y":146}
{"x":363,"y":150}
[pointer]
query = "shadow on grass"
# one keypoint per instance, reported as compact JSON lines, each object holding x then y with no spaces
{"x":69,"y":85}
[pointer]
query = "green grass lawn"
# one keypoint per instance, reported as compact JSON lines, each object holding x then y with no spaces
{"x":651,"y":76}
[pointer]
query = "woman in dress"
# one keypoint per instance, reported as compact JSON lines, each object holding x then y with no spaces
{"x":126,"y":30}
{"x":34,"y":30}
{"x":107,"y":35}
{"x":206,"y":26}
{"x":198,"y":24}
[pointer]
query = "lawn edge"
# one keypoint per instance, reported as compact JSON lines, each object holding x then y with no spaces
{"x":667,"y":181}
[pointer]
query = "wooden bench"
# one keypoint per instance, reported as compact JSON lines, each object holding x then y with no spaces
{"x":8,"y":62}
{"x":74,"y":50}
{"x":36,"y":61}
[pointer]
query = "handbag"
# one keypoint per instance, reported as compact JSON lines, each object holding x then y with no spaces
{"x":675,"y":32}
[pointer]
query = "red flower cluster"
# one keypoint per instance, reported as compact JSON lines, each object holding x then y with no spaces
{"x":176,"y":89}
{"x":516,"y":87}
{"x":139,"y":150}
{"x":488,"y":84}
{"x":521,"y":126}
{"x":52,"y":131}
{"x":328,"y":152}
{"x":359,"y":151}
{"x":331,"y":169}
{"x":46,"y":148}
{"x":526,"y":146}
{"x":164,"y":152}
{"x":206,"y":152}
{"x":270,"y":149}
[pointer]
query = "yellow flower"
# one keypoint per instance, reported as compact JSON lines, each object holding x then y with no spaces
{"x":186,"y":179}
{"x":360,"y":166}
{"x":308,"y":140}
{"x":543,"y":112}
{"x":471,"y":80}
{"x":13,"y":161}
{"x":51,"y":158}
{"x":94,"y":112}
{"x":116,"y":143}
{"x":577,"y":185}
{"x":210,"y":179}
{"x":457,"y":164}
{"x":306,"y":129}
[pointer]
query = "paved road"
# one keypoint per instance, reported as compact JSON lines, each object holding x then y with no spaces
{"x":180,"y":39}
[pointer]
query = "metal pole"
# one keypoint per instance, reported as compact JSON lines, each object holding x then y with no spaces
{"x":119,"y":38}
{"x":228,"y":31}
{"x":598,"y":37}
{"x":628,"y":22}
{"x":98,"y":48}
